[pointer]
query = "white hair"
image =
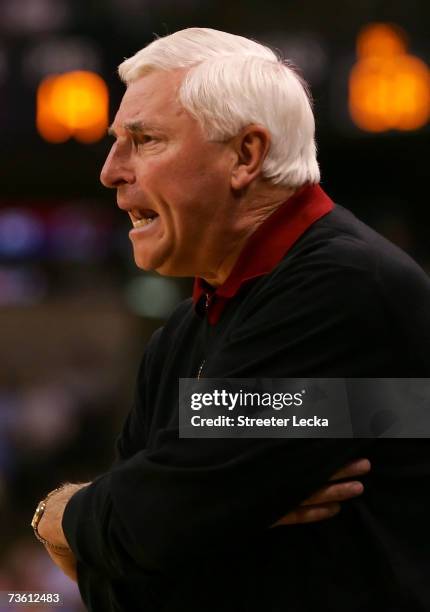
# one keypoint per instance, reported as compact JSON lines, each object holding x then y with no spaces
{"x":232,"y":82}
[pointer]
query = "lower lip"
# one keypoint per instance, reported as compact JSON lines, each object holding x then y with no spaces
{"x":144,"y":229}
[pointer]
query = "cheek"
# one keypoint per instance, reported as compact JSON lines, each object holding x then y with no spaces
{"x":185,"y":185}
{"x":165,"y":175}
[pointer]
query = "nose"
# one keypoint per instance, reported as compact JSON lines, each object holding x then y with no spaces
{"x":116,"y":171}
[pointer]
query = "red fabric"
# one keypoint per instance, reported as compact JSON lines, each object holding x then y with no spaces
{"x":266,"y":246}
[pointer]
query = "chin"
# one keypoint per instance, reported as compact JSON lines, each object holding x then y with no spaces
{"x":143,"y":263}
{"x":164,"y":266}
{"x":145,"y":259}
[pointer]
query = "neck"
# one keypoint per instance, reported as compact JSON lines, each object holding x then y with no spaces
{"x":250,"y":215}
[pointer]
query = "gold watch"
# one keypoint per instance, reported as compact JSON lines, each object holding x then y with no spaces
{"x":40,"y":511}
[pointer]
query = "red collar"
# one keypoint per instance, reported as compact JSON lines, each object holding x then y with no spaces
{"x":265,"y":248}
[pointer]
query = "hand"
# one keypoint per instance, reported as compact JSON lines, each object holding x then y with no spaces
{"x":325,"y":503}
{"x":50,"y":528}
{"x":66,"y":561}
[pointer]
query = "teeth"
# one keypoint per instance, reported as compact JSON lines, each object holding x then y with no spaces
{"x":142,"y":222}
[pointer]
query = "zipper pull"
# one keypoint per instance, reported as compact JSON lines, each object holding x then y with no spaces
{"x":199,"y":373}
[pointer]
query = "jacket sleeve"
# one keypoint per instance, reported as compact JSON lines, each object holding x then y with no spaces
{"x":154,"y":511}
{"x":188,"y":498}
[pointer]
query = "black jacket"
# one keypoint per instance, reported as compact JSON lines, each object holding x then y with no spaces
{"x":183,"y":525}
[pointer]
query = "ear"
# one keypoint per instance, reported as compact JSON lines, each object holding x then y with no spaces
{"x":251,"y":146}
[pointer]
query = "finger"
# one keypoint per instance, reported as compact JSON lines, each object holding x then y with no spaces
{"x":355,"y":468}
{"x":338,"y":492}
{"x":311,"y":514}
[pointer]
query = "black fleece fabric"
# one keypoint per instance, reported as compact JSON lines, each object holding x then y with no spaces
{"x":184,"y":525}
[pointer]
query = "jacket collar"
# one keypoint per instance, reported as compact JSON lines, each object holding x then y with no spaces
{"x":265,"y":248}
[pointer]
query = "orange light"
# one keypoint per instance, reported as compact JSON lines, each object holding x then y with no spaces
{"x":48,"y":126}
{"x":381,"y":40}
{"x":73,"y":104}
{"x":388,"y":88}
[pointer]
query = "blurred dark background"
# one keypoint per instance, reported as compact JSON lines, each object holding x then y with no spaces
{"x":75,"y":313}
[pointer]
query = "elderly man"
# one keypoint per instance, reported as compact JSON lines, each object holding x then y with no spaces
{"x":214,"y":162}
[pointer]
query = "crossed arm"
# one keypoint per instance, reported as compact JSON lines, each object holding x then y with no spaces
{"x":321,"y":505}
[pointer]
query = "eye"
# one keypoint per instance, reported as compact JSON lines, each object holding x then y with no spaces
{"x":143,"y":139}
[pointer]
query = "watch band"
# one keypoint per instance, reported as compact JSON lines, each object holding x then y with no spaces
{"x":40,"y":511}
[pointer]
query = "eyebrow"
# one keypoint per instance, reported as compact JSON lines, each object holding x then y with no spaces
{"x":135,"y":127}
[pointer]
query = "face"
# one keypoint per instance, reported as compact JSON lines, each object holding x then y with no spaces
{"x":173,"y":183}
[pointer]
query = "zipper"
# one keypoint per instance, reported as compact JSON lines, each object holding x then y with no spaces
{"x":199,"y":373}
{"x":207,"y":304}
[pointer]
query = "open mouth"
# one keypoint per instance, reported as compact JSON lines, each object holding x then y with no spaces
{"x":142,"y":217}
